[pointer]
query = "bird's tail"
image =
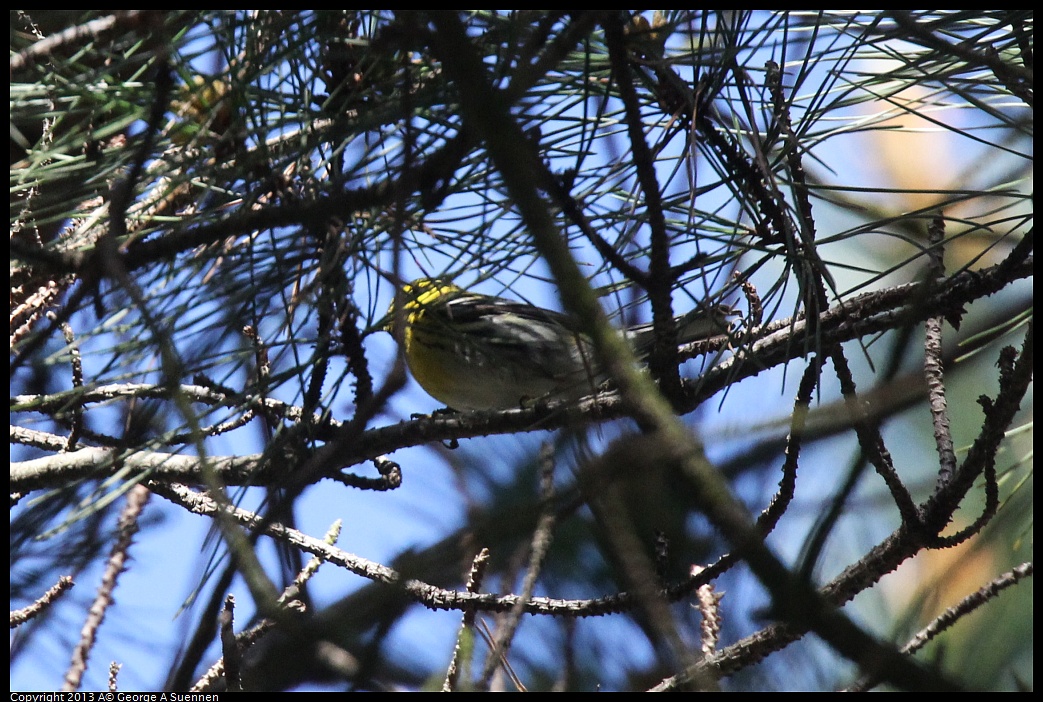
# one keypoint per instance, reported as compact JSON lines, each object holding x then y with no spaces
{"x":701,"y":323}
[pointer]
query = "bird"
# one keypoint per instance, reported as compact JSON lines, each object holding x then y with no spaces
{"x":473,"y":351}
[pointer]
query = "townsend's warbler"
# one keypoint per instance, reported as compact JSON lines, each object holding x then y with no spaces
{"x":479,"y":352}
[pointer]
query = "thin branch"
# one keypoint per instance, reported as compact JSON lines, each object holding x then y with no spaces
{"x":94,"y":30}
{"x":21,"y":616}
{"x":952,"y":615}
{"x":464,"y":646}
{"x":933,"y":371}
{"x":541,"y":540}
{"x":137,"y":498}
